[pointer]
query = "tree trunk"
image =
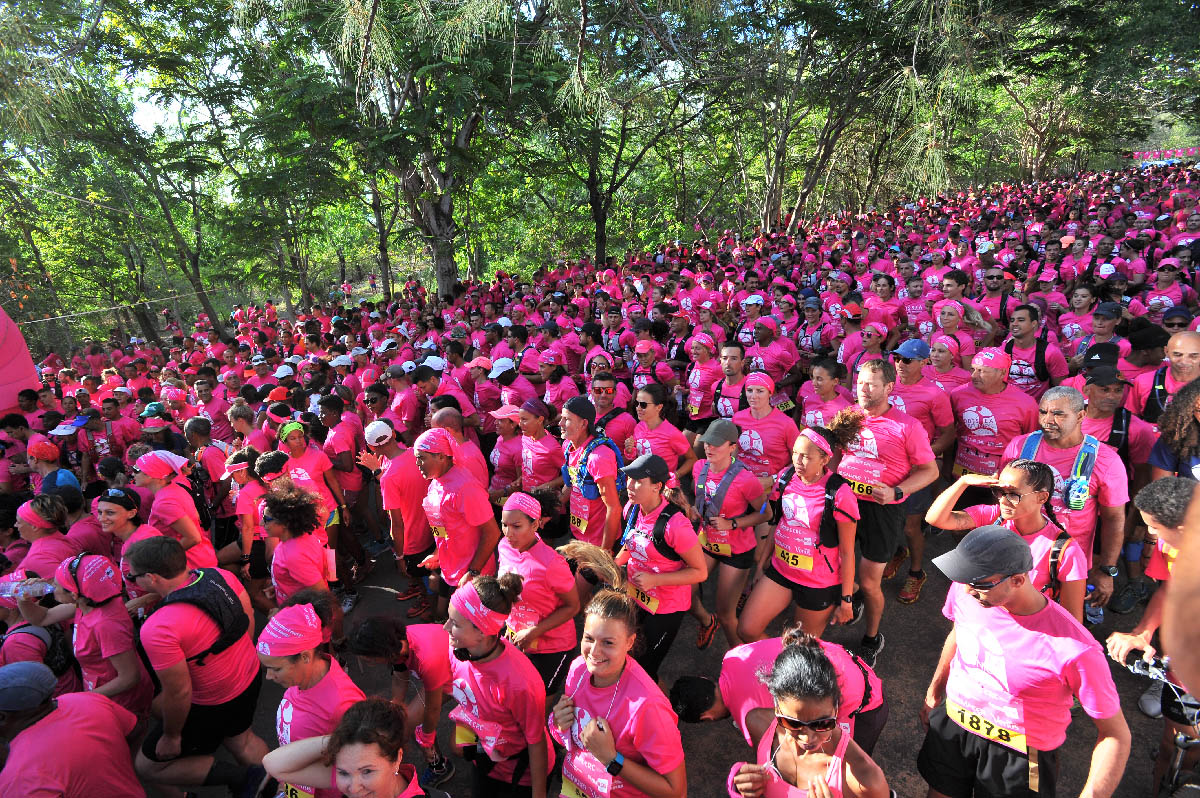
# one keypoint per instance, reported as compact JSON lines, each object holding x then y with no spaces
{"x":381,"y":240}
{"x":445,"y":269}
{"x":146,"y":321}
{"x":341,"y":255}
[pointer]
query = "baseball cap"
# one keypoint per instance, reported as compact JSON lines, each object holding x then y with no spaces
{"x":649,"y":466}
{"x":436,"y":363}
{"x":386,"y":346}
{"x":1105,"y":375}
{"x":753,"y":299}
{"x":720,"y":431}
{"x":913,"y":349}
{"x":986,"y":550}
{"x":1110,"y":310}
{"x":581,"y":406}
{"x":358,"y":350}
{"x":1105,"y":354}
{"x":152,"y":409}
{"x":25,"y":685}
{"x":378,"y":432}
{"x":1177,"y":312}
{"x":480,"y":362}
{"x":395,"y":371}
{"x":342,"y":360}
{"x":64,"y":430}
{"x":501,"y":365}
{"x":642,"y":347}
{"x":812,"y":302}
{"x":257,"y":360}
{"x":511,"y":412}
{"x":284,"y":371}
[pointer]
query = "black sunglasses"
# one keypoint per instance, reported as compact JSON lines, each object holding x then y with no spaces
{"x":984,"y":586}
{"x":797,"y":725}
{"x":644,"y":405}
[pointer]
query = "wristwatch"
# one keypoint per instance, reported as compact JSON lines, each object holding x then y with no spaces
{"x":1111,"y":570}
{"x":473,"y":572}
{"x":899,"y":494}
{"x":847,"y":599}
{"x":614,"y":767}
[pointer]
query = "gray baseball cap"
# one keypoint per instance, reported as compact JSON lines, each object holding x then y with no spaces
{"x":720,"y":431}
{"x":985,"y":551}
{"x":25,"y":685}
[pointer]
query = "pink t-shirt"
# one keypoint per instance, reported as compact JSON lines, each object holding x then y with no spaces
{"x":341,"y":439}
{"x":47,"y":553}
{"x":765,"y":444}
{"x":1143,"y":386}
{"x":246,"y":503}
{"x":925,"y":402}
{"x":175,"y":632}
{"x":78,"y":749}
{"x":743,"y":689}
{"x":298,"y":563}
{"x":798,"y":554}
{"x":1108,"y":487}
{"x":172,"y":502}
{"x":541,"y":460}
{"x":1028,"y":692}
{"x":429,"y":654}
{"x":948,"y":380}
{"x":308,"y":472}
{"x":505,"y":460}
{"x":545,"y":576}
{"x":26,"y":646}
{"x":503,"y":702}
{"x":1142,"y":436}
{"x":620,"y":428}
{"x":1023,"y":372}
{"x":987,"y":422}
{"x":403,"y":488}
{"x":728,"y":397}
{"x":141,"y":533}
{"x":1072,"y":563}
{"x":213,"y":459}
{"x":105,"y":632}
{"x":819,"y":413}
{"x":886,"y":449}
{"x":587,"y":516}
{"x":743,"y":490}
{"x":316,"y":711}
{"x":665,"y":440}
{"x":645,"y":730}
{"x":702,"y":380}
{"x":645,"y":558}
{"x":457,"y":505}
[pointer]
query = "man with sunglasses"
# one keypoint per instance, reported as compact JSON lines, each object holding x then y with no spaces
{"x":1091,"y":482}
{"x":999,"y":704}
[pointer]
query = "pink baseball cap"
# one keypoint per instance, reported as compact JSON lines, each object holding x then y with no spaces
{"x":511,"y":412}
{"x":642,"y":347}
{"x":481,"y":362}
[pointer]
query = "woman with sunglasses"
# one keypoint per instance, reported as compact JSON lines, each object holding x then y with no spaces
{"x":806,"y":750}
{"x":88,"y":590}
{"x":1167,"y":291}
{"x":655,"y":434}
{"x":1022,"y":491}
{"x":620,"y":735}
{"x":173,"y":511}
{"x":874,"y":335}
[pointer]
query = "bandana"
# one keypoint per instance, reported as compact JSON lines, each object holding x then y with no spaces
{"x":289,"y":428}
{"x":27,"y":514}
{"x":466,"y":600}
{"x":523,"y":502}
{"x":161,"y":464}
{"x":436,"y":441}
{"x":761,"y":379}
{"x":291,"y":631}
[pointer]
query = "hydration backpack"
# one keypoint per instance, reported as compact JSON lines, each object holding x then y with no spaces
{"x":210,"y":592}
{"x":659,"y":536}
{"x":587,"y":483}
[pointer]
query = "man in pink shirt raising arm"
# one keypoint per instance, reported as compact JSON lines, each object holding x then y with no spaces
{"x":999,"y":704}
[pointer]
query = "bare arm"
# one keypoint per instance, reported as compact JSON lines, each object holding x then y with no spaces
{"x":943,"y":438}
{"x":936,"y":692}
{"x":1108,"y":757}
{"x":942,"y":514}
{"x":189,"y":533}
{"x":126,"y":666}
{"x":300,"y":762}
{"x":612,"y":506}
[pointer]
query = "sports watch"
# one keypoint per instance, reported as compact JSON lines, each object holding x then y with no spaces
{"x":899,"y":494}
{"x":1111,"y":570}
{"x":614,"y":767}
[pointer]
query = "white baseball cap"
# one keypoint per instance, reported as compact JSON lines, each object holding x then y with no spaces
{"x":284,"y":371}
{"x":342,"y":360}
{"x":378,"y":432}
{"x":501,"y":365}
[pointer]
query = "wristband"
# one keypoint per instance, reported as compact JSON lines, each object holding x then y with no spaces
{"x":425,"y":740}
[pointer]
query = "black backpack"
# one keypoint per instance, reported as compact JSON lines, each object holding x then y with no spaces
{"x":210,"y":592}
{"x":1054,"y":585}
{"x":1118,"y":437}
{"x":1156,"y":402}
{"x":828,"y":532}
{"x":1039,"y":357}
{"x":659,"y":536}
{"x":59,"y":656}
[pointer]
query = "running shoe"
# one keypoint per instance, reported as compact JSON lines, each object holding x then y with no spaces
{"x":435,"y":774}
{"x":1131,"y":595}
{"x":869,"y":650}
{"x":349,"y":601}
{"x":892,"y":568}
{"x":422,"y":608}
{"x":912,"y":588}
{"x":414,"y":590}
{"x":704,"y":637}
{"x":1150,"y":702}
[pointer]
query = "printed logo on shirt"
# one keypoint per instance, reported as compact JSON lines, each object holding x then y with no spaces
{"x":980,"y":421}
{"x":864,"y":445}
{"x":898,"y":403}
{"x":751,"y":443}
{"x":1021,"y":373}
{"x":795,"y":510}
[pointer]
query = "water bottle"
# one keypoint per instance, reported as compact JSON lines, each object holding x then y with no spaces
{"x":1092,"y":614}
{"x":20,"y":591}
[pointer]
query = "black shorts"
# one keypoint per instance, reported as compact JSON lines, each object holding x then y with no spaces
{"x":880,"y":530}
{"x":207,"y":727}
{"x":743,"y":561}
{"x":960,"y":764}
{"x":919,"y":502}
{"x":699,"y":425}
{"x":259,"y":567}
{"x":1180,"y":709}
{"x":412,"y":562}
{"x":225,"y":531}
{"x":813,"y":599}
{"x":553,"y":667}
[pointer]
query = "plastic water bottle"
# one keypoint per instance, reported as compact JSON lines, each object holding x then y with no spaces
{"x":1092,"y":614}
{"x":20,"y":591}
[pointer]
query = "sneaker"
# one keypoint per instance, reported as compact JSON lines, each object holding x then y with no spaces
{"x":420,"y":609}
{"x":349,"y":601}
{"x":432,"y":776}
{"x":1130,"y":596}
{"x":870,"y":651}
{"x":1150,"y":702}
{"x":414,"y":590}
{"x":857,"y":608}
{"x":892,"y":568}
{"x":912,"y":588}
{"x":704,"y":637}
{"x":360,"y":571}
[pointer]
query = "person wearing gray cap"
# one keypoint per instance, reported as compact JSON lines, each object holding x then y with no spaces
{"x":999,"y":704}
{"x":1104,"y":326}
{"x":75,"y":746}
{"x":727,"y":497}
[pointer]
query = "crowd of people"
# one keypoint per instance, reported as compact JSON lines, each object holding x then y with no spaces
{"x":559,"y":466}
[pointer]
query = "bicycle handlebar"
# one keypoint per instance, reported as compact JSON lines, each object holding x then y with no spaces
{"x":1154,"y":668}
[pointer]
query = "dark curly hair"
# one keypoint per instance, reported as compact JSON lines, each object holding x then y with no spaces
{"x":843,"y":428}
{"x":1177,"y":426}
{"x":372,"y":720}
{"x":294,"y":509}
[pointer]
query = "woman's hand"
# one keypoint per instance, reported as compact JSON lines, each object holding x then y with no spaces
{"x":842,"y":614}
{"x":370,"y":460}
{"x":751,"y":781}
{"x":564,"y":712}
{"x":597,"y":738}
{"x":644,"y":581}
{"x":1120,"y":645}
{"x":979,"y":480}
{"x":525,"y":638}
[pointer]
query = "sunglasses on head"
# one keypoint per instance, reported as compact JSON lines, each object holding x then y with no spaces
{"x":797,"y":725}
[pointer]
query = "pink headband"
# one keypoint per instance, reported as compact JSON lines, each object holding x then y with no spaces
{"x":818,"y":440}
{"x":292,"y":630}
{"x":436,"y":441}
{"x":27,"y":514}
{"x":524,"y":503}
{"x":466,"y":600}
{"x":761,"y":379}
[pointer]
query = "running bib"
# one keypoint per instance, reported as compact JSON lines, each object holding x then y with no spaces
{"x":585,"y":777}
{"x":860,"y":488}
{"x":579,"y":523}
{"x":642,"y":597}
{"x":958,"y":470}
{"x":786,"y":405}
{"x":295,"y":791}
{"x":439,"y":532}
{"x":712,"y":547}
{"x":979,"y":725}
{"x":464,"y":736}
{"x":801,"y":562}
{"x":693,"y":410}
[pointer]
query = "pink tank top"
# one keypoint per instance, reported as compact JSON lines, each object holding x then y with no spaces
{"x":778,"y":788}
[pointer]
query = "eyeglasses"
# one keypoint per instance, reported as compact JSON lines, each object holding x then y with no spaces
{"x":1175,"y":325}
{"x":135,"y":469}
{"x":644,"y":405}
{"x":986,"y":586}
{"x":797,"y":725}
{"x":267,"y":519}
{"x":1010,"y":496}
{"x":907,"y":360}
{"x":601,"y":391}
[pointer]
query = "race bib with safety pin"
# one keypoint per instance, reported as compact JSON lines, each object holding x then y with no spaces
{"x":295,"y":791}
{"x":981,"y":726}
{"x":860,"y":488}
{"x":439,"y":532}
